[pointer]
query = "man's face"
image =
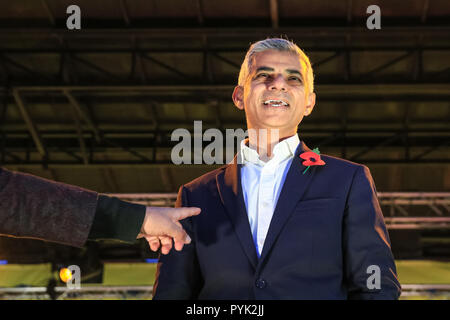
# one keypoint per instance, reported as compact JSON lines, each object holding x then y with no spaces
{"x":275,"y":93}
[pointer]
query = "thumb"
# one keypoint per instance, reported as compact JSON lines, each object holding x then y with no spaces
{"x":183,"y":213}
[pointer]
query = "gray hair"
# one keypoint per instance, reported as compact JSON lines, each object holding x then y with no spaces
{"x":279,"y":45}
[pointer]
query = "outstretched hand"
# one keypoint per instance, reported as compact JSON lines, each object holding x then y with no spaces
{"x":161,"y":226}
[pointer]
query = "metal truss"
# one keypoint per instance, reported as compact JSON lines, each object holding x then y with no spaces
{"x":441,"y":223}
{"x":342,"y":45}
{"x":438,"y":203}
{"x":140,"y":147}
{"x":434,"y":207}
{"x":82,"y":144}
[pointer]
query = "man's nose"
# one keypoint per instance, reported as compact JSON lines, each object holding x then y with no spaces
{"x":278,"y":83}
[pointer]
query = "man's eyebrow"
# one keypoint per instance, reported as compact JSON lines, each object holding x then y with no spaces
{"x":264,"y":69}
{"x":293,"y":71}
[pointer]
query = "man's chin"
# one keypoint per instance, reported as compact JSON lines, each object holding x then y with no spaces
{"x":276,"y":125}
{"x":277,"y":122}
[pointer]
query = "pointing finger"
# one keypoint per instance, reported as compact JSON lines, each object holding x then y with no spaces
{"x":183,"y":213}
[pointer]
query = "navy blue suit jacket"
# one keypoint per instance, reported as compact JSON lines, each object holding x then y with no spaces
{"x":326,"y":232}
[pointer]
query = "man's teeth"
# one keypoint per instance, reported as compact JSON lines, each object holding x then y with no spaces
{"x":276,"y":103}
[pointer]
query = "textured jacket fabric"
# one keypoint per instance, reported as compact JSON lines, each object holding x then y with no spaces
{"x":34,"y":207}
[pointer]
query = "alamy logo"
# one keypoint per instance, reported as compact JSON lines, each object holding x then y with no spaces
{"x":374,"y":280}
{"x":74,"y":20}
{"x":374,"y":21}
{"x":214,"y":153}
{"x":71,"y":276}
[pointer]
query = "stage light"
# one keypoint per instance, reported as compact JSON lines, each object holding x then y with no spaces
{"x":3,"y":262}
{"x":65,"y":275}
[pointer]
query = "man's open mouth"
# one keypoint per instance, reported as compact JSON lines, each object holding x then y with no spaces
{"x":276,"y":103}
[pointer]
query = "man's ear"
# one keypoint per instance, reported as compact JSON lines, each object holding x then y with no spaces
{"x":238,"y":97}
{"x":311,"y":104}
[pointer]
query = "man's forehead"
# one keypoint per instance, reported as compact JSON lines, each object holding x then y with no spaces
{"x":276,"y":60}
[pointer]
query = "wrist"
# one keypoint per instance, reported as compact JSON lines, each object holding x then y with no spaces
{"x":148,"y":213}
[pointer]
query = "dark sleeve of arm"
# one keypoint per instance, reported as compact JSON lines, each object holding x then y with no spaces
{"x":369,"y":264}
{"x":178,"y":275}
{"x":116,"y":219}
{"x":33,"y":207}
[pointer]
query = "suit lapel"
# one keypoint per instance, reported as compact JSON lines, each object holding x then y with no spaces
{"x":230,"y":190}
{"x":294,"y":187}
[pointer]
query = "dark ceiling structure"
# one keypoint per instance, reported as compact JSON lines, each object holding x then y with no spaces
{"x":96,"y":107}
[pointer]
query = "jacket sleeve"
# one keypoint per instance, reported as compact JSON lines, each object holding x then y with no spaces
{"x":33,"y":207}
{"x":368,"y":261}
{"x":178,"y":275}
{"x":116,"y":219}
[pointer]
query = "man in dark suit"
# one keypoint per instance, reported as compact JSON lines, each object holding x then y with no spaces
{"x":33,"y":207}
{"x":276,"y":225}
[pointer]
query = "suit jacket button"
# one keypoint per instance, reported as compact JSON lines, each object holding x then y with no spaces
{"x":261,"y":283}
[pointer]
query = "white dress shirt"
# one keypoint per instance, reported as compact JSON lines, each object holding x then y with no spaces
{"x":262,"y":182}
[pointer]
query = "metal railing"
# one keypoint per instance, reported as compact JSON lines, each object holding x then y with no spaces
{"x":145,"y":292}
{"x":436,"y":205}
{"x":85,"y":292}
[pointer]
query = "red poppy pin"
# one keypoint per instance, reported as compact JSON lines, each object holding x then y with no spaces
{"x":312,"y":158}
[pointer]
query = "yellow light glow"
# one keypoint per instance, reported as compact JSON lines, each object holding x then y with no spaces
{"x":65,"y":274}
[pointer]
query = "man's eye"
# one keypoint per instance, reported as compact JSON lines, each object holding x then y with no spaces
{"x":262,"y":75}
{"x":295,"y":79}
